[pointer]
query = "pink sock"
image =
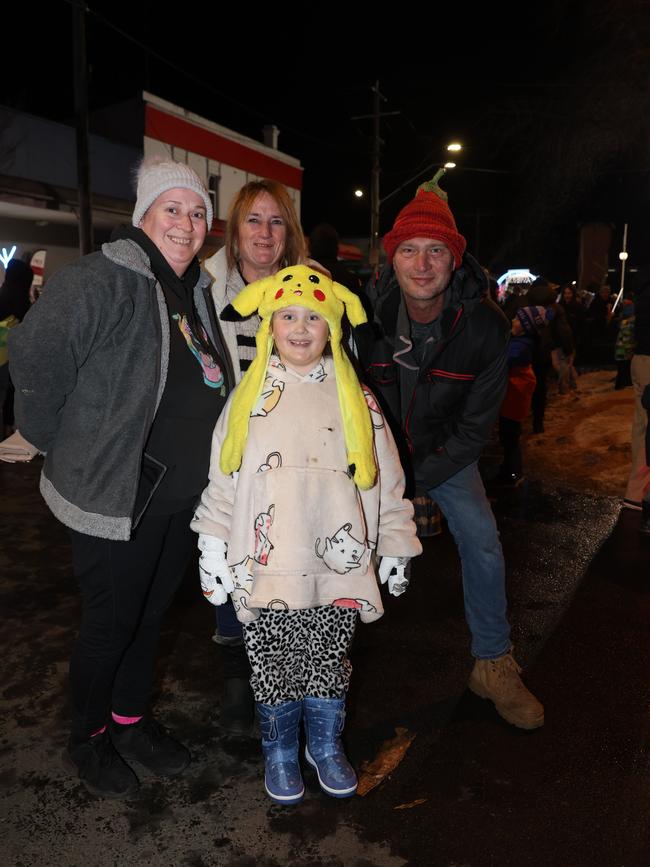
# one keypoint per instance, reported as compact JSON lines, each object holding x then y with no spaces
{"x":98,"y":732}
{"x":125,"y":720}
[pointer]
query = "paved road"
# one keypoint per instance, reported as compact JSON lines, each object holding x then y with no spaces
{"x":470,"y":791}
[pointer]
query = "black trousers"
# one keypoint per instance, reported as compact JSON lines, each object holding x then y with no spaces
{"x":509,"y":437}
{"x":126,"y":588}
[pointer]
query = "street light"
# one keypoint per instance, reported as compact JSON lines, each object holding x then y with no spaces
{"x":623,"y":259}
{"x":454,"y":146}
{"x":358,"y":194}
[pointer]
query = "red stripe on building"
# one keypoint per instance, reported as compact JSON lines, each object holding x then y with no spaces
{"x":182,"y":134}
{"x":350,"y":251}
{"x":218,"y":229}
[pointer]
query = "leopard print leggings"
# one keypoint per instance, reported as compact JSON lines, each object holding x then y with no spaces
{"x":299,"y":653}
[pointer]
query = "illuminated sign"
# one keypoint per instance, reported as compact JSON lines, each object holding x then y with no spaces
{"x":5,"y":257}
{"x":516,"y":275}
{"x":513,"y":277}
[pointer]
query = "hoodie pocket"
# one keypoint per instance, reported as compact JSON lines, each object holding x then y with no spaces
{"x":307,"y":521}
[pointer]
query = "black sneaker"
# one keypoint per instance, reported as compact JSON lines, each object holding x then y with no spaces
{"x":101,"y":769}
{"x":148,"y":743}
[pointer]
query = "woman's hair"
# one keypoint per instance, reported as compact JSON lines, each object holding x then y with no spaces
{"x":294,"y":247}
{"x":572,"y":289}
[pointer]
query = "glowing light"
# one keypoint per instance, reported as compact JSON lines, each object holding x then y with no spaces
{"x":622,"y":256}
{"x":358,"y":194}
{"x":517,"y":275}
{"x":454,"y":147}
{"x":450,"y":165}
{"x":521,"y":277}
{"x":5,"y":257}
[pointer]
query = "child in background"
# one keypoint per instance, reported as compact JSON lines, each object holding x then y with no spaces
{"x":624,"y":346}
{"x":515,"y":408}
{"x":305,"y":487}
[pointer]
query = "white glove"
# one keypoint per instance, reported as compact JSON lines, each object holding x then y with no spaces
{"x":391,"y":569}
{"x":214,"y":571}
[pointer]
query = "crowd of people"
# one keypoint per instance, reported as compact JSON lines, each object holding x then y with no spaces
{"x":558,"y":332}
{"x":262,"y":407}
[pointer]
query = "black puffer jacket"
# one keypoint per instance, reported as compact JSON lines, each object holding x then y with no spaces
{"x":447,"y":420}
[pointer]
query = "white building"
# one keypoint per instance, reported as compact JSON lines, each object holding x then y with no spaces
{"x":39,"y":200}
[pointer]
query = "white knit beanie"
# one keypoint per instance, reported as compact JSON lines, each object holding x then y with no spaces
{"x":156,"y":175}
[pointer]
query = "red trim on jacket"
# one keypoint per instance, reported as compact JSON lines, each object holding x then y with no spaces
{"x":463,"y":376}
{"x":446,"y":374}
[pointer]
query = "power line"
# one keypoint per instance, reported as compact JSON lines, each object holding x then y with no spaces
{"x":242,"y":106}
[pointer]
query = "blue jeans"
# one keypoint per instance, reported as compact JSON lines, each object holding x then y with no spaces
{"x":469,"y":516}
{"x":229,"y":629}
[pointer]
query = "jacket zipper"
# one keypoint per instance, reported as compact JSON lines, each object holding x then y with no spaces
{"x":135,"y":519}
{"x":409,"y":412}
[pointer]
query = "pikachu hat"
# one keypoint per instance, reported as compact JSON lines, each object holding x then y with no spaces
{"x":301,"y":286}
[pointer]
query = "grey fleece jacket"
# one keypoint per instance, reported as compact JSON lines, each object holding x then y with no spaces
{"x":89,"y":363}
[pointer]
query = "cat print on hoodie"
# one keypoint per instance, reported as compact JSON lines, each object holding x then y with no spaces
{"x":342,"y":552}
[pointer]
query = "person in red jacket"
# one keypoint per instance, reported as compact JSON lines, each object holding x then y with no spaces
{"x":521,"y":385}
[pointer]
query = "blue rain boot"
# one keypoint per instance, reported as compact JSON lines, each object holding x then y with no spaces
{"x":324,"y":720}
{"x":279,"y":726}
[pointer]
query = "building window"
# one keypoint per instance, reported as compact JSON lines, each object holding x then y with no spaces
{"x":213,"y":189}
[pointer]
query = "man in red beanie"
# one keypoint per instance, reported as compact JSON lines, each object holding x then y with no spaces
{"x":436,"y":358}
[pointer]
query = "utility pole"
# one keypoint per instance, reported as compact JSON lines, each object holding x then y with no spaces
{"x":81,"y":118}
{"x":375,"y":171}
{"x":374,"y":179}
{"x":623,"y":257}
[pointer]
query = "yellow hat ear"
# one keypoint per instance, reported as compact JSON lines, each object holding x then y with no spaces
{"x":250,"y":298}
{"x":353,"y":306}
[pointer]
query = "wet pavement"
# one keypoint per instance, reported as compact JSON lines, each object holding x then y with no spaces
{"x":470,"y":791}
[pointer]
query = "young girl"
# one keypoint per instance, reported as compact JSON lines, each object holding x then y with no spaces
{"x":305,"y":484}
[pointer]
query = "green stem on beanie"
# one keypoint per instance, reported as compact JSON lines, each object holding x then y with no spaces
{"x":432,"y":185}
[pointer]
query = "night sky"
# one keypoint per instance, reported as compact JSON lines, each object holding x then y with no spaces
{"x":551,"y":103}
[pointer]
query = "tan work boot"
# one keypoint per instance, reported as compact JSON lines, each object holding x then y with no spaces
{"x":498,"y":680}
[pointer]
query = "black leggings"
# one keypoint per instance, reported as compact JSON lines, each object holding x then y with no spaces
{"x":509,"y":437}
{"x":300,"y":653}
{"x":126,"y":588}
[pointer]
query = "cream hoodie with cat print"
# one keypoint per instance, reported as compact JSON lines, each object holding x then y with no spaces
{"x":299,"y":532}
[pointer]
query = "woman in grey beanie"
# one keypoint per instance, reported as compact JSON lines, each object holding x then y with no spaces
{"x":123,"y":409}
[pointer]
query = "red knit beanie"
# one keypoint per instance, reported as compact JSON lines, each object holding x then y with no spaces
{"x":427,"y":216}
